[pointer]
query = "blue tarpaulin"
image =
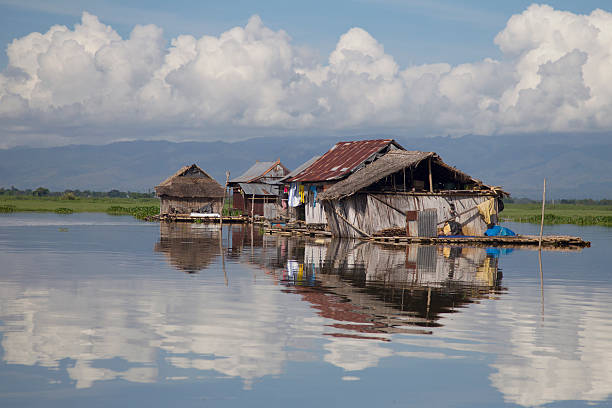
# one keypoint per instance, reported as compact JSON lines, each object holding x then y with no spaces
{"x":498,"y":231}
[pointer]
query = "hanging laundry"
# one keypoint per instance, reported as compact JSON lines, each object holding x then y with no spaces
{"x":487,"y":210}
{"x":314,"y":195}
{"x":301,"y":189}
{"x":294,"y":198}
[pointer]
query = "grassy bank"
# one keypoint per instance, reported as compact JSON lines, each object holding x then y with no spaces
{"x":559,"y":214}
{"x":139,"y":207}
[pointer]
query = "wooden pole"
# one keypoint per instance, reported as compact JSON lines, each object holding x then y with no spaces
{"x":541,"y":281}
{"x":540,"y":247}
{"x":542,"y":220}
{"x":252,"y":207}
{"x":430,"y":178}
{"x":227,"y":174}
{"x":351,"y":224}
{"x":388,"y":205}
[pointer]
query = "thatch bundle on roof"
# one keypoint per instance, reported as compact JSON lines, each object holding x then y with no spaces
{"x":190,"y":181}
{"x":392,"y":163}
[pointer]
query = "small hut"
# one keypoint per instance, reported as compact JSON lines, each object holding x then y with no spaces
{"x":410,"y":191}
{"x":189,"y":190}
{"x":257,"y":190}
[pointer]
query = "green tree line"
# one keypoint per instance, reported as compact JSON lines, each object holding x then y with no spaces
{"x":72,"y":194}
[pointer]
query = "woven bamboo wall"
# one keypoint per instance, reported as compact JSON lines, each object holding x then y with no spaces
{"x":188,"y":205}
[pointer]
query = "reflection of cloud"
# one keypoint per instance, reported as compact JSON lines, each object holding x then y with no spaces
{"x":244,"y":329}
{"x":113,"y":325}
{"x":566,"y":356}
{"x":355,"y":354}
{"x":559,"y":361}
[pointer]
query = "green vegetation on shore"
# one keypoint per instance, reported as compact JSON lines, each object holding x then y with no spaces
{"x":599,"y":213}
{"x":563,"y":213}
{"x":141,"y":208}
{"x":142,"y":213}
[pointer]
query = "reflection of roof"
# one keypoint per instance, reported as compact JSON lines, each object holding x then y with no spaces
{"x":190,"y":181}
{"x":188,"y":247}
{"x":258,"y":170}
{"x":258,"y":189}
{"x":343,"y":159}
{"x":301,"y":167}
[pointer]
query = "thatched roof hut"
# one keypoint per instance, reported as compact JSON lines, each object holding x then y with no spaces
{"x":402,"y":187}
{"x":188,"y":190}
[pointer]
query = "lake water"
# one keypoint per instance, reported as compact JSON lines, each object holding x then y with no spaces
{"x":103,"y":311}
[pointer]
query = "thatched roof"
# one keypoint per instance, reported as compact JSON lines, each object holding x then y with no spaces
{"x":190,"y":182}
{"x":390,"y":163}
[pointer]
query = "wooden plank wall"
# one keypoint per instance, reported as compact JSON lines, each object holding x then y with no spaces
{"x":371,"y":215}
{"x":315,"y":215}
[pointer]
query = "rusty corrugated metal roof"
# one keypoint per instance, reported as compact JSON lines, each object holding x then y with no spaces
{"x":342,"y":159}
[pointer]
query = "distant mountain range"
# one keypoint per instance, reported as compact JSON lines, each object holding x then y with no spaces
{"x":575,"y":165}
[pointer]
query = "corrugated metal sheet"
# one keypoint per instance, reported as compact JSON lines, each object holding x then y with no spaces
{"x":266,"y":172}
{"x":428,"y":221}
{"x":254,"y":171}
{"x":341,"y":160}
{"x":258,"y":189}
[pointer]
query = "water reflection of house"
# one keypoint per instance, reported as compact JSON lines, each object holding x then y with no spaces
{"x":407,"y":287}
{"x":370,"y":291}
{"x":189,"y":247}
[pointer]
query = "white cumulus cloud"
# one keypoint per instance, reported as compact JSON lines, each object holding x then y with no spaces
{"x":88,"y":84}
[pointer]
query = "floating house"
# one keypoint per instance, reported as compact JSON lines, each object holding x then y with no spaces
{"x":189,"y":190}
{"x":342,"y":160}
{"x":411,"y":191}
{"x":257,"y":190}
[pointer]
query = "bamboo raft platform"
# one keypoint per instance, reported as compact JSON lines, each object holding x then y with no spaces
{"x":561,"y":242}
{"x":230,"y":219}
{"x":549,"y":242}
{"x":289,"y":231}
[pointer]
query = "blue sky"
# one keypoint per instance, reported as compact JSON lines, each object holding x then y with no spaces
{"x":413,"y":31}
{"x":204,"y":70}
